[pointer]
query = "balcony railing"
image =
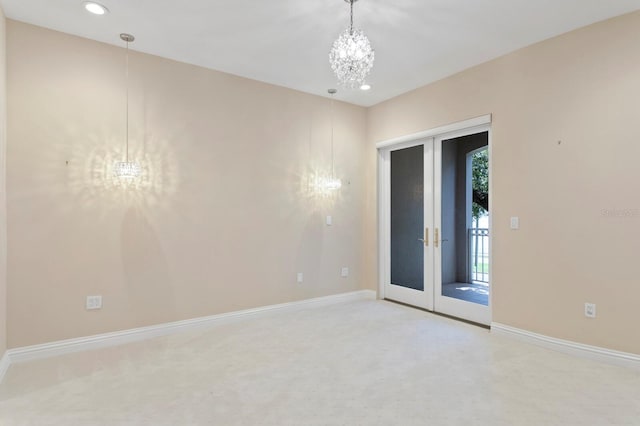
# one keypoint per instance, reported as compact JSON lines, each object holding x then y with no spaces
{"x":479,"y":254}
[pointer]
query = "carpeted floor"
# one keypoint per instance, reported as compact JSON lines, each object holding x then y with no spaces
{"x":354,"y":363}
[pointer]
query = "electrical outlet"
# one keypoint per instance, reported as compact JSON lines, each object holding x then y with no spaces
{"x":590,"y":310}
{"x":300,"y":277}
{"x":345,"y":272}
{"x":94,"y":302}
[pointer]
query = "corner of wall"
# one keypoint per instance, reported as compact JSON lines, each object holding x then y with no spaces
{"x":3,"y":204}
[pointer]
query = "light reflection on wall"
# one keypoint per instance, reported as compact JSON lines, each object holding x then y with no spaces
{"x":92,"y":178}
{"x":316,"y":190}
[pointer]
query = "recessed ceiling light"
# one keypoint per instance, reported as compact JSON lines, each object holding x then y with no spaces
{"x":95,"y":8}
{"x":365,"y":87}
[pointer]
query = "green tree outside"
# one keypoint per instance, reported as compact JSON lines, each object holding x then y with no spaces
{"x":480,"y":183}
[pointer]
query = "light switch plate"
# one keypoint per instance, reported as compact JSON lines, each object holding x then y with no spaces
{"x":345,"y":272}
{"x":515,"y":222}
{"x":300,"y":277}
{"x":329,"y":221}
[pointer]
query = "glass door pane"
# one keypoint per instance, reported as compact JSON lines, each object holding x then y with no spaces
{"x":461,"y":202}
{"x":407,"y":217}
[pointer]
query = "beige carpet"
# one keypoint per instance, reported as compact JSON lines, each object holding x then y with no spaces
{"x":355,"y":363}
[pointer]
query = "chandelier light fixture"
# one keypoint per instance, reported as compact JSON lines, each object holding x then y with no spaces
{"x":351,"y":56}
{"x":127,"y":169}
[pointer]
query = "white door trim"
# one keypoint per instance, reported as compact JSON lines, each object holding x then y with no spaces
{"x":453,"y":130}
{"x":437,"y":131}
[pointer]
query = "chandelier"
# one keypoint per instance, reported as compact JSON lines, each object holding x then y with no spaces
{"x":351,"y":56}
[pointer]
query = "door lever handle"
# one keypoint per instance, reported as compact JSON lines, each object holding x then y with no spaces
{"x":425,"y":240}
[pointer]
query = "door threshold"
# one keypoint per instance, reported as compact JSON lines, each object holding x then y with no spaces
{"x":477,"y":324}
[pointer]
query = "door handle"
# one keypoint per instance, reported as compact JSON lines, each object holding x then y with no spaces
{"x":426,"y":237}
{"x":436,"y":238}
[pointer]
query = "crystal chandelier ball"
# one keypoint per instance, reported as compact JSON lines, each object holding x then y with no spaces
{"x":127,"y":169}
{"x":351,"y":58}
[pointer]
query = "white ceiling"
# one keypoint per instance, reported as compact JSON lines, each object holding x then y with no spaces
{"x":286,"y":42}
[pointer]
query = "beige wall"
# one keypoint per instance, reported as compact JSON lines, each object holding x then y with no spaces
{"x":223,"y":219}
{"x":577,"y":201}
{"x":3,"y":204}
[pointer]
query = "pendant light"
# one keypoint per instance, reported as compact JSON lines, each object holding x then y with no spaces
{"x":332,"y":183}
{"x":127,"y":169}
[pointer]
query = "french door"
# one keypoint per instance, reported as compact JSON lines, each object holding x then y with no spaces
{"x":408,"y":196}
{"x":415,"y":203}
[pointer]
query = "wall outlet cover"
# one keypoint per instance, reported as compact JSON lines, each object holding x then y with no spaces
{"x":590,"y":310}
{"x":94,"y":302}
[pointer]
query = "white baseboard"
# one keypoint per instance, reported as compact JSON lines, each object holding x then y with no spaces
{"x":608,"y":356}
{"x":61,"y":347}
{"x":4,"y":365}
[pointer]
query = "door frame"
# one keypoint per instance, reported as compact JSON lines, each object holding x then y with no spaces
{"x":481,"y":122}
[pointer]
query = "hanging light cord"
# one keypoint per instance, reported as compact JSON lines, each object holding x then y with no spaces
{"x":332,"y":164}
{"x":351,"y":26}
{"x":127,"y":107}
